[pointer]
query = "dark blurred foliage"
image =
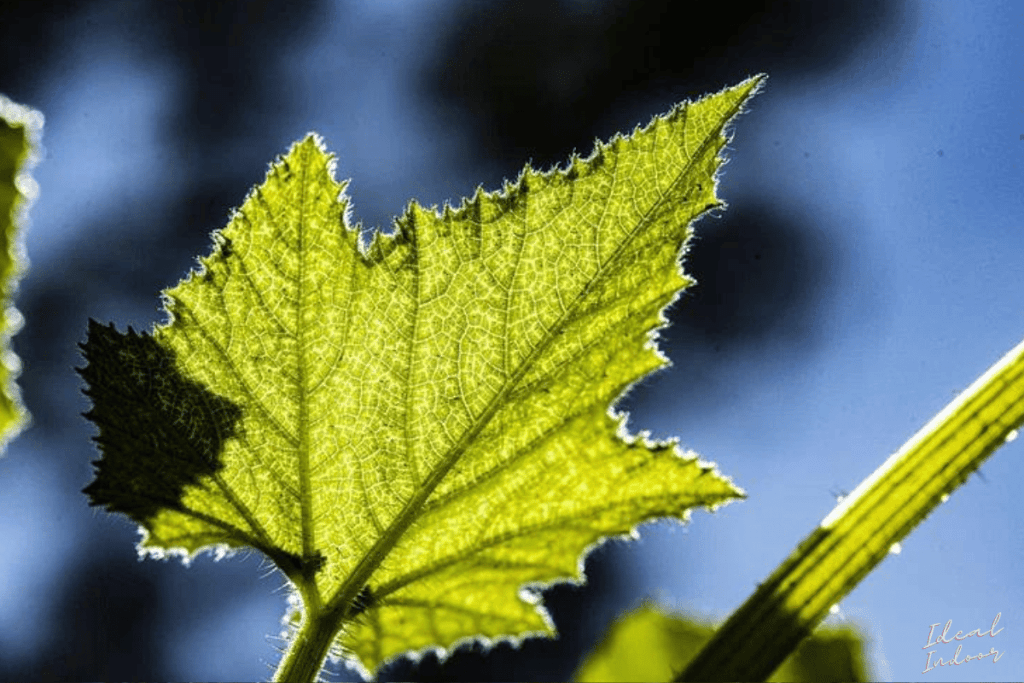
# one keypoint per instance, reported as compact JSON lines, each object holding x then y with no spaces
{"x":536,"y":78}
{"x":759,"y":271}
{"x":227,"y":71}
{"x":110,"y":611}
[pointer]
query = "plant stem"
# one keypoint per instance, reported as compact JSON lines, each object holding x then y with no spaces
{"x":306,"y":654}
{"x":862,"y":530}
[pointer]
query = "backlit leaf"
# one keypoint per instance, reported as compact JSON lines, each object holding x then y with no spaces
{"x":20,"y":132}
{"x":416,"y":429}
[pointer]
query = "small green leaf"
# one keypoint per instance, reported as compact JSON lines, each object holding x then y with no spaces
{"x":20,"y":132}
{"x":417,"y":430}
{"x":650,"y":645}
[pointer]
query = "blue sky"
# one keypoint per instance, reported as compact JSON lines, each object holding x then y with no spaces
{"x":905,"y":161}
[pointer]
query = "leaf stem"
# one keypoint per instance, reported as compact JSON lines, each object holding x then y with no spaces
{"x":862,"y":530}
{"x":305,"y":657}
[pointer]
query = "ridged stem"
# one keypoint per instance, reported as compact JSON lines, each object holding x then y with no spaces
{"x":305,"y":657}
{"x":862,"y":530}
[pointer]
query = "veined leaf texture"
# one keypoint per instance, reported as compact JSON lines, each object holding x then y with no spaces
{"x":419,"y":429}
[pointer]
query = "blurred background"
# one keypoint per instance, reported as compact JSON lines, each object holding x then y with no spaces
{"x":867,"y":269}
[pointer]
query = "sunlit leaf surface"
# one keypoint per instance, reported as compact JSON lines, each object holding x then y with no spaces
{"x":416,"y":429}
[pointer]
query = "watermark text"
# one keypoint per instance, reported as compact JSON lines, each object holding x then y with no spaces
{"x":944,"y":638}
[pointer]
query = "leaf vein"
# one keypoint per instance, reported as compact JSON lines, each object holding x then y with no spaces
{"x":238,"y":377}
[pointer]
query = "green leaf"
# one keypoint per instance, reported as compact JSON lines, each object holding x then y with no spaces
{"x":418,"y":430}
{"x":20,"y":132}
{"x":650,"y":645}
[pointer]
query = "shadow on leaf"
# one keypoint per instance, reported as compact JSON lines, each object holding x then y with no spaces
{"x":159,"y":431}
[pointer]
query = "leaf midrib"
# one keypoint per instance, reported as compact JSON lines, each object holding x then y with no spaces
{"x":305,"y":486}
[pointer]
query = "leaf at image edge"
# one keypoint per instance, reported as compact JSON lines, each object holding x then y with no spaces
{"x":20,"y":133}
